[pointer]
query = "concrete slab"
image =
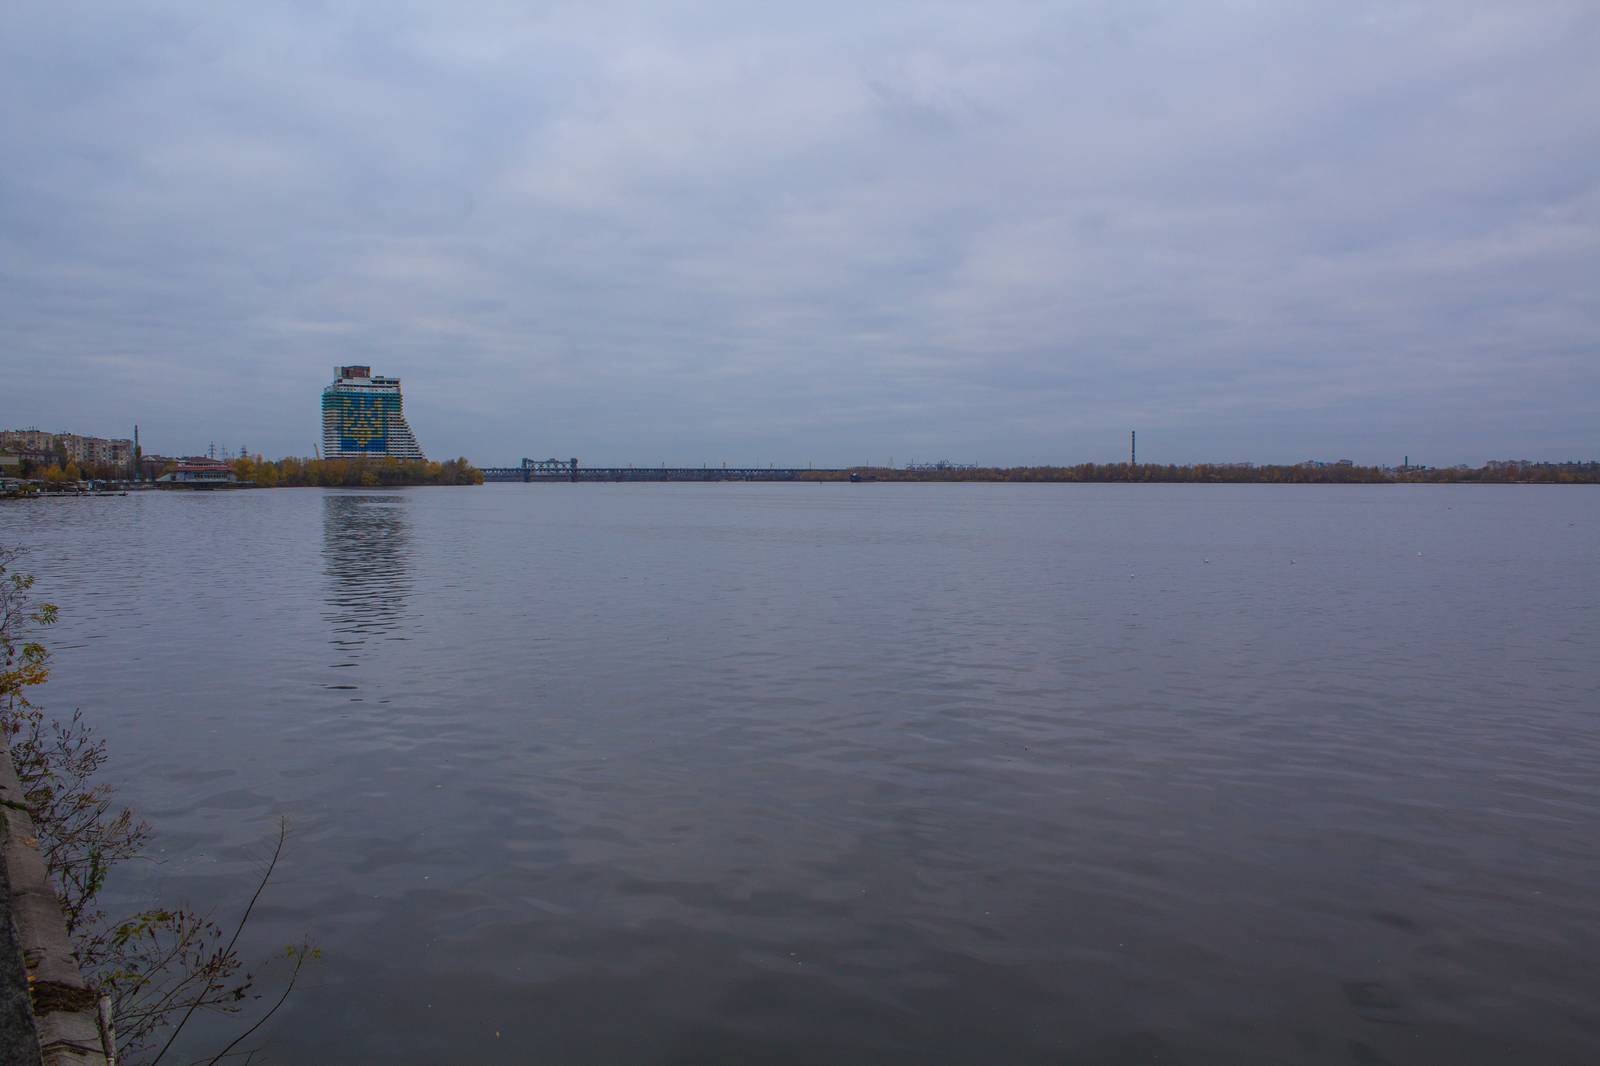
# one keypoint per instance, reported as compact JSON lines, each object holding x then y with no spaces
{"x":66,"y":1022}
{"x":19,"y":1041}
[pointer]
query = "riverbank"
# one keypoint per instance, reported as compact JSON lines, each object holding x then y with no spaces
{"x":249,"y":472}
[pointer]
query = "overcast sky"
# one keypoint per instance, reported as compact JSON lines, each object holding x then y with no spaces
{"x":826,"y":233}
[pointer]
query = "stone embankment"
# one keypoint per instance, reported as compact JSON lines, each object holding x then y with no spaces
{"x":49,"y":1015}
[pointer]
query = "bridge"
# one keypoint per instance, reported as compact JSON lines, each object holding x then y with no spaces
{"x":568,"y":470}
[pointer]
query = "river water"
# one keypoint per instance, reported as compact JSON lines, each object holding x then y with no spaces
{"x":865,"y":773}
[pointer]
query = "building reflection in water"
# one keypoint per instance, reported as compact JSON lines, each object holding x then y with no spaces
{"x":366,"y":553}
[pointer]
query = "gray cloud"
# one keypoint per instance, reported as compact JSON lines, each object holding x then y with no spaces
{"x":834,"y":233}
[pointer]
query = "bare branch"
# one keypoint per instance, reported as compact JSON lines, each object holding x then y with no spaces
{"x":301,"y":955}
{"x":283,"y":831}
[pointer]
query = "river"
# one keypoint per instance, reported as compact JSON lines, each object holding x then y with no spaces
{"x":881,"y":773}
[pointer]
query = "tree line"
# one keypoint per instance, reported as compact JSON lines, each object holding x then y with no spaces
{"x":71,"y":472}
{"x":1585,"y":473}
{"x":354,"y":473}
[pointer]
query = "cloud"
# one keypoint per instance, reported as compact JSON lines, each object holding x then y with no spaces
{"x":999,"y":234}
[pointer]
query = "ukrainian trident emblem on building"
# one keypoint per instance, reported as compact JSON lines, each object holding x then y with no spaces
{"x":363,"y":428}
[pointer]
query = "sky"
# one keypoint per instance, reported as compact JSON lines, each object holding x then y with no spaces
{"x":824,"y":233}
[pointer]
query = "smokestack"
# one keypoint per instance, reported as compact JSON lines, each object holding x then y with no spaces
{"x":1133,"y":447}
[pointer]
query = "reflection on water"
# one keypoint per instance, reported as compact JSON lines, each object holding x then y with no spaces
{"x":365,"y":553}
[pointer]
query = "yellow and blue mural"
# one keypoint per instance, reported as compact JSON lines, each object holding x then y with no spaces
{"x":361,"y":422}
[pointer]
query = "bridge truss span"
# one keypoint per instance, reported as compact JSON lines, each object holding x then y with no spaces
{"x":532,"y":470}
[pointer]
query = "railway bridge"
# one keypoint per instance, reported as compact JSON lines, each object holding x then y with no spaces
{"x":532,"y":470}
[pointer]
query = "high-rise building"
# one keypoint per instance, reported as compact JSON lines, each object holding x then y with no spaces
{"x":362,"y":417}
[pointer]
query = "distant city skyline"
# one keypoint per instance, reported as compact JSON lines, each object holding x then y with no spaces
{"x":833,"y":235}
